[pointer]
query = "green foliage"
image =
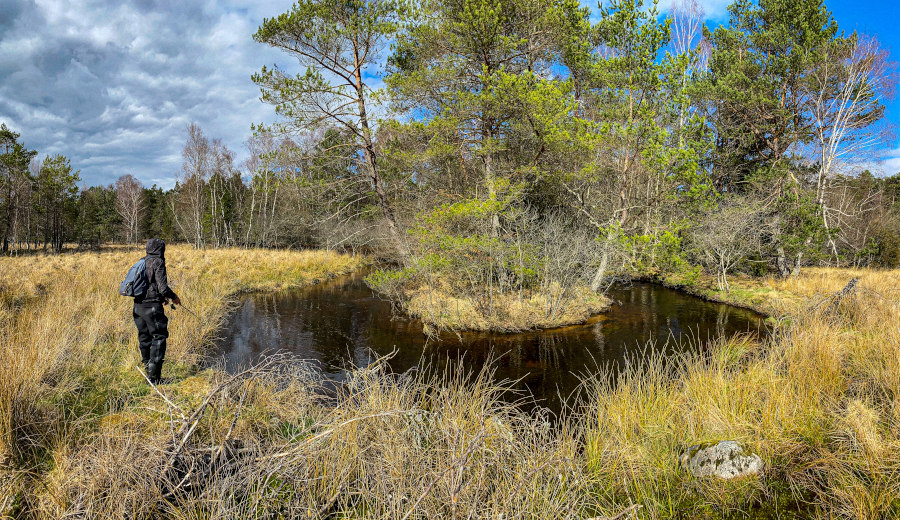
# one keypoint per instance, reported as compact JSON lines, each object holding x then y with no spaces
{"x":498,"y":260}
{"x":458,"y":244}
{"x":757,"y":82}
{"x":57,"y":191}
{"x":797,"y":225}
{"x":663,"y":255}
{"x":470,"y":72}
{"x":159,"y":217}
{"x":339,"y":42}
{"x":393,"y":283}
{"x":97,"y":216}
{"x":885,"y":242}
{"x":502,"y":120}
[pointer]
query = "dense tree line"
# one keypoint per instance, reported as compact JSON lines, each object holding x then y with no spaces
{"x":46,"y":207}
{"x":518,"y":142}
{"x":289,"y":193}
{"x":510,"y":144}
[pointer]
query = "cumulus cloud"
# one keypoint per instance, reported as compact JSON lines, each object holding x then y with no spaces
{"x":114,"y":84}
{"x":888,"y":165}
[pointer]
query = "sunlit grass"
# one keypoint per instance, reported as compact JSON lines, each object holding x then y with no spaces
{"x":509,"y":312}
{"x":818,"y":402}
{"x":84,"y":436}
{"x":69,"y":336}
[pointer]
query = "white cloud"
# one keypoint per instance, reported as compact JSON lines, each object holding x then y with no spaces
{"x":113,"y":84}
{"x":716,"y":10}
{"x":889,"y":163}
{"x":884,"y":163}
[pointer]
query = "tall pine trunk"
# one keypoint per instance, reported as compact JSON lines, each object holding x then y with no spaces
{"x":372,"y":164}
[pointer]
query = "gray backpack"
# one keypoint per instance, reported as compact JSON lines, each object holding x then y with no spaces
{"x":135,"y":283}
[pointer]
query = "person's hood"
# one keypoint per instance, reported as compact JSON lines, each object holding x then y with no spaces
{"x":156,"y":247}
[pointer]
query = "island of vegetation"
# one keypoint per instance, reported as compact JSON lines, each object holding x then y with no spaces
{"x":508,"y":160}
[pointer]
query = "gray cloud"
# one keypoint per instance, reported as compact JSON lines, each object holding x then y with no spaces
{"x":113,"y":85}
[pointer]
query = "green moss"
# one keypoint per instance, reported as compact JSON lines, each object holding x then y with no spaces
{"x":292,"y":430}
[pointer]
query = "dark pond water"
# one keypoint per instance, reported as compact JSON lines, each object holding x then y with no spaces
{"x":342,"y":323}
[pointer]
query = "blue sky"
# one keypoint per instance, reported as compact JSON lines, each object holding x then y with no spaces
{"x":880,"y":18}
{"x":114,"y":84}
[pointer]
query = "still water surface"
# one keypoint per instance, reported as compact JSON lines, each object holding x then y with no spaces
{"x":342,"y":323}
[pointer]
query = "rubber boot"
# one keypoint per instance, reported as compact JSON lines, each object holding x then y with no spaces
{"x":145,"y":357}
{"x":157,"y":354}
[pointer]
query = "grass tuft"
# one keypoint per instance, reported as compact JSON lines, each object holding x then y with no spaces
{"x":83,"y":435}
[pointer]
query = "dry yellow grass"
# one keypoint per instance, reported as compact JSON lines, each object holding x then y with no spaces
{"x":511,"y":313}
{"x":819,"y":401}
{"x":63,"y":322}
{"x":794,"y":295}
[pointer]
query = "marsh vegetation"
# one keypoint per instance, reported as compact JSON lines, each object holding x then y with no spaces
{"x":85,"y":435}
{"x":508,"y":161}
{"x":513,"y":159}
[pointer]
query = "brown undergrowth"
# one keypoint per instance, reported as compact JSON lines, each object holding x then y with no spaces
{"x":819,"y":401}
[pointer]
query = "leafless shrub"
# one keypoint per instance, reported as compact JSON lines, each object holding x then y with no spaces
{"x":726,"y":237}
{"x":566,"y":258}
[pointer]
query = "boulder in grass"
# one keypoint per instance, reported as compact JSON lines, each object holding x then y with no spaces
{"x":726,"y":460}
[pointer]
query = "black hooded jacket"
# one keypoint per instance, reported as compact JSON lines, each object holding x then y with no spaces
{"x":155,"y":265}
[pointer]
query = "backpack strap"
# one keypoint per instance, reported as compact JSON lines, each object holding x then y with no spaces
{"x":147,"y":271}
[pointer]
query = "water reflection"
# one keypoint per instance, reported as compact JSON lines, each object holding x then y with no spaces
{"x":342,"y":323}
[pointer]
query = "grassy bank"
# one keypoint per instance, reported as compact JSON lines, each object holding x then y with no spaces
{"x":69,"y":344}
{"x":794,"y":296}
{"x":820,"y":402}
{"x":456,"y":304}
{"x":506,"y":312}
{"x":84,"y":436}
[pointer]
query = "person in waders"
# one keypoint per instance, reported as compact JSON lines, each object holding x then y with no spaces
{"x":149,"y":314}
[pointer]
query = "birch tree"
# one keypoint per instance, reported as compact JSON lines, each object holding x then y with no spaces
{"x":262,"y":167}
{"x":190,"y":202}
{"x":130,"y":204}
{"x":850,"y":86}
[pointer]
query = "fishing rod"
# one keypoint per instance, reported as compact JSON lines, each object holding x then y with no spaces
{"x":185,"y":308}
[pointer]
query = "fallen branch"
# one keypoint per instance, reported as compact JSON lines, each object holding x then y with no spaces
{"x":848,"y":290}
{"x":156,"y":389}
{"x":190,"y":424}
{"x":324,"y":433}
{"x":835,"y":299}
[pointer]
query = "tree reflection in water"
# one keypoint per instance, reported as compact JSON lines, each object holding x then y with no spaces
{"x":341,"y":323}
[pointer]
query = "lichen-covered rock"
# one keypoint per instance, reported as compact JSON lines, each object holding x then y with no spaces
{"x":725,"y":460}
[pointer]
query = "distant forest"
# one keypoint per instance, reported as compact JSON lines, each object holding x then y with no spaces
{"x":510,"y":137}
